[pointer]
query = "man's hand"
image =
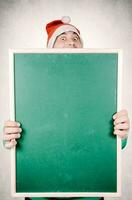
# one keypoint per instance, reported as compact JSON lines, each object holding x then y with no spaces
{"x":11,"y":132}
{"x":121,"y":124}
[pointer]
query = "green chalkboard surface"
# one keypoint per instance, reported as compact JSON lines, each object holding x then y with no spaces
{"x":65,"y":103}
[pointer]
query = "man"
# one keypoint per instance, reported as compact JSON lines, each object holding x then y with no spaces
{"x":61,"y":34}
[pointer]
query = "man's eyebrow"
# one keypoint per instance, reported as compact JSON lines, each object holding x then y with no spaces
{"x":75,"y":34}
{"x":62,"y":34}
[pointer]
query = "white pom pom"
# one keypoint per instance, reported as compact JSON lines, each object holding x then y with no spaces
{"x":66,"y":19}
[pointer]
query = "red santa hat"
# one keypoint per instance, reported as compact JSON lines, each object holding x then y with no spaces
{"x":57,"y":27}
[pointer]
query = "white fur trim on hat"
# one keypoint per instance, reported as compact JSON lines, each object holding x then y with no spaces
{"x":60,"y":30}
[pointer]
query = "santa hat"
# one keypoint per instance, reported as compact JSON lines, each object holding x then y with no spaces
{"x":57,"y":27}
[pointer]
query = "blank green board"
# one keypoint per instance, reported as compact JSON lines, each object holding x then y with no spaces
{"x":65,"y":103}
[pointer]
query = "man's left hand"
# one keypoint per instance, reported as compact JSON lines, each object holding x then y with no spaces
{"x":121,"y":124}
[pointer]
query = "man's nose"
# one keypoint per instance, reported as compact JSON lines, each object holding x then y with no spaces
{"x":71,"y":43}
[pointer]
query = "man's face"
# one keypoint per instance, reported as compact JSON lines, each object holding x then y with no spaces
{"x":68,"y":40}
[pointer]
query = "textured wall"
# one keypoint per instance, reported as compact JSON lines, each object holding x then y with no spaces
{"x":103,"y":24}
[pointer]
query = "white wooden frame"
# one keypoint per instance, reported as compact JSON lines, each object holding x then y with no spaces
{"x":12,"y":117}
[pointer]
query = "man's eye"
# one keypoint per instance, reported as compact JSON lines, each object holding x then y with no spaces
{"x":75,"y":39}
{"x":63,"y":38}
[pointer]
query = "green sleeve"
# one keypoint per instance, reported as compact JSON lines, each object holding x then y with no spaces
{"x":124,"y":142}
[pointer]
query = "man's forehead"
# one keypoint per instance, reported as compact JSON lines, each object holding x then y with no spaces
{"x":67,"y":32}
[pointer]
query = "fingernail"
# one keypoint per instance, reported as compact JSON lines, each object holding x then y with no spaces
{"x":113,"y":116}
{"x":20,"y":130}
{"x":18,"y":123}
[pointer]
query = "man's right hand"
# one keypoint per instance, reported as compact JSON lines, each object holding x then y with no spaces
{"x":11,"y":132}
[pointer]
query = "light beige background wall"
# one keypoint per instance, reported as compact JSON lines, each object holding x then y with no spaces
{"x":103,"y":24}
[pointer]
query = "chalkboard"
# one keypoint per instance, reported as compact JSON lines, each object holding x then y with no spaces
{"x":65,"y":100}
